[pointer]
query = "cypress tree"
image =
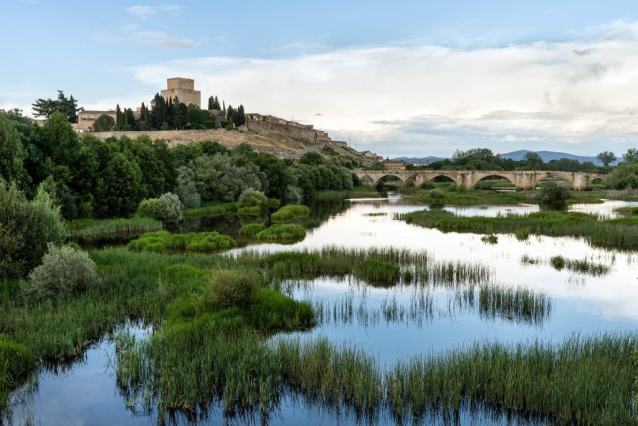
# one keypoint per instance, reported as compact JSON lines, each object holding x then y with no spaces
{"x":241,"y":117}
{"x":118,"y":118}
{"x":211,"y":103}
{"x":217,"y":106}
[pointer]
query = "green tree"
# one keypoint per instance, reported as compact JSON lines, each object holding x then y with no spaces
{"x":67,"y":107}
{"x":119,"y":189}
{"x":118,"y":118}
{"x":278,"y":175}
{"x":631,"y":156}
{"x":105,"y":123}
{"x":312,"y":159}
{"x":552,"y":193}
{"x":533,"y":161}
{"x":606,"y":157}
{"x":12,"y":153}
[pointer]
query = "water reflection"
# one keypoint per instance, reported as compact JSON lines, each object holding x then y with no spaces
{"x":391,"y":323}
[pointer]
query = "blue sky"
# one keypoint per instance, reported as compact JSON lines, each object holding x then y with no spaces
{"x":421,"y":78}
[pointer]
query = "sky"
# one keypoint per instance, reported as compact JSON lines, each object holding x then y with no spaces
{"x":415,"y":78}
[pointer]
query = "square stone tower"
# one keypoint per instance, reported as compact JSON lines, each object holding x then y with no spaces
{"x":184,"y":89}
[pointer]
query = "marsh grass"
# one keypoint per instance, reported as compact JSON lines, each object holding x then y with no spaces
{"x":489,"y":239}
{"x":584,"y":201}
{"x":521,"y":305}
{"x":559,"y":263}
{"x":376,"y":270}
{"x":15,"y":361}
{"x":289,"y":212}
{"x":251,"y":230}
{"x":161,"y":241}
{"x":356,"y":192}
{"x":250,"y":211}
{"x":92,"y":229}
{"x":282,"y":232}
{"x":470,"y":197}
{"x":374,"y":214}
{"x":214,"y":210}
{"x":597,"y":230}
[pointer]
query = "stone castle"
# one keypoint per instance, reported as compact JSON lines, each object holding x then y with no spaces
{"x":184,"y":90}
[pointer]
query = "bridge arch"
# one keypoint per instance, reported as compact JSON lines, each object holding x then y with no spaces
{"x":539,"y":177}
{"x":450,"y":175}
{"x":487,"y":177}
{"x":384,"y":175}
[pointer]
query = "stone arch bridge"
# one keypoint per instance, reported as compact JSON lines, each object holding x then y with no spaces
{"x":526,"y":180}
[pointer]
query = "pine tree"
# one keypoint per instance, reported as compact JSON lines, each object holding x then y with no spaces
{"x":118,"y":118}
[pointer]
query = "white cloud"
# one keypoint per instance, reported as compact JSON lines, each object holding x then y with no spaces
{"x":145,"y":11}
{"x":427,"y":98}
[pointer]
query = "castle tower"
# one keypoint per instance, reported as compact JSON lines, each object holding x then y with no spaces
{"x":184,"y":89}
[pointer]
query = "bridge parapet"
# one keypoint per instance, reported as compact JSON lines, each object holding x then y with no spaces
{"x":526,"y":180}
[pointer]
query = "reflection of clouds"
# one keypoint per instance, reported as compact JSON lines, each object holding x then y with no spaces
{"x":613,"y":297}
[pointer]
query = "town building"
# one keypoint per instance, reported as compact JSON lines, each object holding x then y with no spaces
{"x":394,"y":166}
{"x":87,"y":118}
{"x":184,"y":90}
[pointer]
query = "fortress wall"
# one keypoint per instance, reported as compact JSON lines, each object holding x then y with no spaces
{"x":298,"y":132}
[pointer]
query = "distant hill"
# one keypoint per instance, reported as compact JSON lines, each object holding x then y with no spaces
{"x":547,"y":156}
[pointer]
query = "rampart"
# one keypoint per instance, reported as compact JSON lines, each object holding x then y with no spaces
{"x":291,"y":131}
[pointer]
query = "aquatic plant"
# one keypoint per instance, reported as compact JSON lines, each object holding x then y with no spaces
{"x":282,"y":232}
{"x":621,"y":232}
{"x":251,"y":230}
{"x":214,"y":210}
{"x":15,"y":360}
{"x":522,"y":234}
{"x":159,"y":242}
{"x":580,"y":266}
{"x":489,"y":239}
{"x":289,"y":212}
{"x":250,"y":211}
{"x":231,"y":287}
{"x":376,"y":270}
{"x":374,"y":214}
{"x":91,"y":229}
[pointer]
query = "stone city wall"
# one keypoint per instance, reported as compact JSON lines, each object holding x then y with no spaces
{"x":297,"y":132}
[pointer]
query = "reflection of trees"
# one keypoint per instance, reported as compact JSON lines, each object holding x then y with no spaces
{"x":321,"y":211}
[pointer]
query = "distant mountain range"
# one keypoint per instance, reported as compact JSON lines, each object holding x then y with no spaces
{"x":547,"y":156}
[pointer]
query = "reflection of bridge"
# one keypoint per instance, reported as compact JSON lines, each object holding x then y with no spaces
{"x":523,"y":180}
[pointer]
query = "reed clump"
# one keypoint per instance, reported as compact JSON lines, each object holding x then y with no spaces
{"x":522,"y":234}
{"x":289,"y":212}
{"x":161,"y":241}
{"x":15,"y":361}
{"x":214,"y":210}
{"x":621,"y":232}
{"x":282,"y":232}
{"x":376,"y":270}
{"x":251,"y":230}
{"x":91,"y":229}
{"x":375,"y":214}
{"x":489,"y":239}
{"x":250,"y":211}
{"x":579,"y":266}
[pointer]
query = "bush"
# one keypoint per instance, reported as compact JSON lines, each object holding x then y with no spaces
{"x":251,"y":230}
{"x":252,"y":202}
{"x":289,"y":212}
{"x":186,"y":190}
{"x":171,"y":208}
{"x":427,"y":184}
{"x":273,"y":203}
{"x":552,"y":193}
{"x":436,"y":193}
{"x":233,"y":287}
{"x":26,"y":228}
{"x":224,"y":124}
{"x":199,"y":127}
{"x":230,"y":126}
{"x":210,"y":124}
{"x":292,"y":193}
{"x":64,"y":271}
{"x":150,"y":208}
{"x":522,"y":234}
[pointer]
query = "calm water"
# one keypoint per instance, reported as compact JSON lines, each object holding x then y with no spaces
{"x":391,"y":323}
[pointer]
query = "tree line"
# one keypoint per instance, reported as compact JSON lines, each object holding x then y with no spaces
{"x":90,"y":178}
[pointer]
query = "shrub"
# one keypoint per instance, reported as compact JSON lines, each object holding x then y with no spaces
{"x":224,"y":124}
{"x":171,"y":208}
{"x":273,"y":203}
{"x":254,"y":200}
{"x":210,"y":124}
{"x":233,"y":287}
{"x":230,"y":126}
{"x":150,"y":208}
{"x":25,"y":230}
{"x":251,"y":230}
{"x":436,"y":194}
{"x":186,"y":190}
{"x":292,"y":193}
{"x":64,"y":271}
{"x":552,"y":193}
{"x":409,"y":184}
{"x":427,"y":184}
{"x":158,"y":242}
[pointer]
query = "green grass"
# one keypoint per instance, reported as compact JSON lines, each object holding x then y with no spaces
{"x":471,"y":197}
{"x":584,"y":201}
{"x":282,"y":232}
{"x":214,"y":210}
{"x":363,"y":191}
{"x":598,"y":231}
{"x":376,"y":270}
{"x":250,"y":211}
{"x":489,"y":239}
{"x":289,"y":212}
{"x":160,"y":242}
{"x":92,"y":229}
{"x":251,"y":230}
{"x":15,"y":361}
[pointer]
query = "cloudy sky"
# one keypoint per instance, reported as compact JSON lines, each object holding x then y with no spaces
{"x":416,"y":78}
